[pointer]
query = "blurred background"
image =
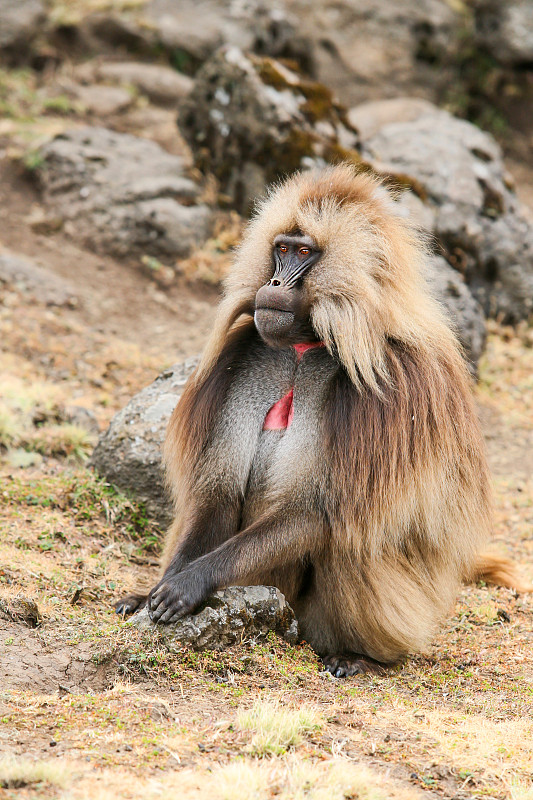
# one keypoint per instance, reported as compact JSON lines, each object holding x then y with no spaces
{"x":134,"y":137}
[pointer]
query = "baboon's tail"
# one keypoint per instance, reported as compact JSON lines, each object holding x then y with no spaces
{"x":498,"y":570}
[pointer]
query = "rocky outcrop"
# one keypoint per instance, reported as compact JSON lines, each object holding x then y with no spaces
{"x":128,"y":454}
{"x":373,"y":48}
{"x":361,"y":48}
{"x":122,"y":195}
{"x":20,"y":22}
{"x":250,"y":119}
{"x":505,"y":30}
{"x":189,"y":38}
{"x":233,"y":616}
{"x":23,"y":274}
{"x":477,"y":221}
{"x":464,"y":312}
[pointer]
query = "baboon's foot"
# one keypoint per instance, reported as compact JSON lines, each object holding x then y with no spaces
{"x":132,"y":602}
{"x":346,"y":664}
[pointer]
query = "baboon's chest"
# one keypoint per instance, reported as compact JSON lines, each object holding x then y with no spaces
{"x":287,"y":449}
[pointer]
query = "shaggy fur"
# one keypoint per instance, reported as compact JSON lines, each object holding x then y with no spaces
{"x":371,"y":510}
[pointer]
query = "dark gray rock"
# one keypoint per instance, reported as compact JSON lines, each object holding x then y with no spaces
{"x":122,"y":194}
{"x":232,"y":616}
{"x":20,"y":22}
{"x":463,"y":310}
{"x":478,"y":221}
{"x":505,"y":29}
{"x":260,"y":26}
{"x":21,"y":609}
{"x":368,"y":49}
{"x":128,"y":454}
{"x":250,"y":120}
{"x":20,"y":272}
{"x":361,"y":48}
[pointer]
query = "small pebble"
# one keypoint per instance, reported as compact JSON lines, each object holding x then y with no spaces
{"x":503,"y":615}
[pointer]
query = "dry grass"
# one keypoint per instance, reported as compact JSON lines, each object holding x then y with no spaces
{"x":211,"y":262}
{"x":298,"y":779}
{"x":25,"y":106}
{"x":67,"y":440}
{"x":521,"y":790}
{"x":17,"y":773}
{"x":10,"y":427}
{"x":32,"y":420}
{"x":276,"y":729}
{"x":506,"y":372}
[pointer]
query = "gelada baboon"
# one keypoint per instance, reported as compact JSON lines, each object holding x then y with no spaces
{"x":328,"y":443}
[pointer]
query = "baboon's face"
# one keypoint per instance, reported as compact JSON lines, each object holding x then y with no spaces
{"x":282,"y":305}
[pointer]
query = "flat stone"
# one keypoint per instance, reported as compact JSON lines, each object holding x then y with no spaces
{"x":104,"y":100}
{"x":21,"y":273}
{"x":161,"y":84}
{"x":368,"y":118}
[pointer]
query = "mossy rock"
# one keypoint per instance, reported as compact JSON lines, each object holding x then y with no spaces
{"x":252,"y":119}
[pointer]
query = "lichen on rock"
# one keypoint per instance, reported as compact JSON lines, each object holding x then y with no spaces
{"x":251,"y":119}
{"x":228,"y":617}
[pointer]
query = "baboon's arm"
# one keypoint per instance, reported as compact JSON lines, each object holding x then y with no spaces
{"x":270,"y":542}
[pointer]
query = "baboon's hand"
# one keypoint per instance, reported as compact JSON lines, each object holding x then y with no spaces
{"x":175,"y":596}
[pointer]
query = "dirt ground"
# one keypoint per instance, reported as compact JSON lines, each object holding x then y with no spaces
{"x":92,"y":709}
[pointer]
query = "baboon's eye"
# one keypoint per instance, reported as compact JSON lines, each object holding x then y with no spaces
{"x":304,"y":251}
{"x":283,"y":248}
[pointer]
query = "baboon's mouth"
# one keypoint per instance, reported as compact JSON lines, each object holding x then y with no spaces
{"x":273,"y":317}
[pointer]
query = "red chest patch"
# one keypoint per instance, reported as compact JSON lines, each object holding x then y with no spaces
{"x":280,"y":415}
